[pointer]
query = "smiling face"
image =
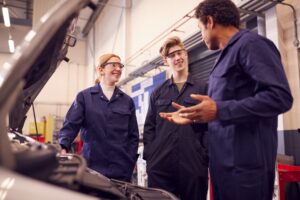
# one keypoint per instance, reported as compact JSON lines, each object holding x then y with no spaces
{"x":177,"y":59}
{"x":111,"y":71}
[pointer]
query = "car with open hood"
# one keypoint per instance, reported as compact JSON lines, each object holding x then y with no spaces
{"x":32,"y":170}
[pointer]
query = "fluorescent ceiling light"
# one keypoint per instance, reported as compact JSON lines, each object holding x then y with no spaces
{"x":11,"y":46}
{"x":6,"y":16}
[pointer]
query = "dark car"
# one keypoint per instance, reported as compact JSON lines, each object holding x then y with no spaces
{"x":32,"y":170}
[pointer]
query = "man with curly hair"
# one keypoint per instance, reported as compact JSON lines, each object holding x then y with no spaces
{"x":247,"y":91}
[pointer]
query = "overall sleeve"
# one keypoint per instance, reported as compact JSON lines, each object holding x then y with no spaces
{"x":72,"y":123}
{"x":261,"y":61}
{"x":149,"y":126}
{"x":133,"y":132}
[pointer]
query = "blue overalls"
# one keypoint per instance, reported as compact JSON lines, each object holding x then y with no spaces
{"x":108,"y":129}
{"x":176,"y":155}
{"x":250,"y":88}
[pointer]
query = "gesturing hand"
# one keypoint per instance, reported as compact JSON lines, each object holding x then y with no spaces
{"x":174,"y":117}
{"x":204,"y":111}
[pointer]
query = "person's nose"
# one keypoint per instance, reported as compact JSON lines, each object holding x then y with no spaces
{"x":118,"y":67}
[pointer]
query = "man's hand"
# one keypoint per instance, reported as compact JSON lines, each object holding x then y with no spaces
{"x":174,"y":116}
{"x":205,"y":111}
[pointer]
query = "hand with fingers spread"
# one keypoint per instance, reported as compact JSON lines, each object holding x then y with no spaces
{"x":174,"y":117}
{"x":204,"y":111}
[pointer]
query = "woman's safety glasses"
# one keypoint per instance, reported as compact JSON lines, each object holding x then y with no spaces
{"x":113,"y":64}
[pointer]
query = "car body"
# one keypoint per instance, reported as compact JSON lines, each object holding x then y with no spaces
{"x":32,"y":170}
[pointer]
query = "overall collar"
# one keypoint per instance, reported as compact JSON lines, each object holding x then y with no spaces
{"x":189,"y":80}
{"x":231,"y":42}
{"x":96,"y":89}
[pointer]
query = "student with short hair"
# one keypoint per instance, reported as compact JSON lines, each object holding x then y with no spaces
{"x":176,"y":155}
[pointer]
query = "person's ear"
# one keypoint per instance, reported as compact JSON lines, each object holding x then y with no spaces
{"x":210,"y":22}
{"x":165,"y":61}
{"x":100,"y":70}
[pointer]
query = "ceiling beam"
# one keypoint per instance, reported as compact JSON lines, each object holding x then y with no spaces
{"x":94,"y":16}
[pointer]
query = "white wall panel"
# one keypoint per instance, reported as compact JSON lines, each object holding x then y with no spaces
{"x":3,"y":58}
{"x":40,"y":7}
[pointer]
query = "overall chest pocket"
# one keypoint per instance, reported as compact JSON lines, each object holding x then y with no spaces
{"x":187,"y":102}
{"x":118,"y":125}
{"x":120,"y":117}
{"x":223,"y":82}
{"x":162,"y":105}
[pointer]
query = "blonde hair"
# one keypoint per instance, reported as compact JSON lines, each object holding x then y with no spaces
{"x":103,"y":60}
{"x":169,"y":43}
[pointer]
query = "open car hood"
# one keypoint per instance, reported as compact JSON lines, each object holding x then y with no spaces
{"x":33,"y":63}
{"x":32,"y":163}
{"x":37,"y":58}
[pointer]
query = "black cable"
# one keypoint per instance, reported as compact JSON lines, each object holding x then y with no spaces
{"x":35,"y":123}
